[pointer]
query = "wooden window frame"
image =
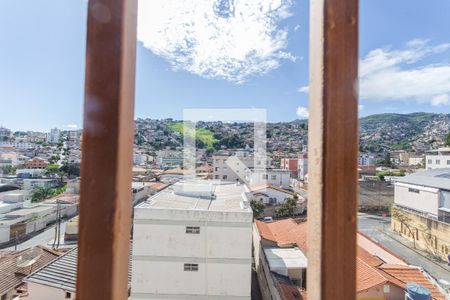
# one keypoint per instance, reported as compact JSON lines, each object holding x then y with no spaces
{"x":105,"y":205}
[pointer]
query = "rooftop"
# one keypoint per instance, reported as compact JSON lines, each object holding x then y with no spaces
{"x":200,"y":195}
{"x":11,"y":274}
{"x":62,"y":272}
{"x":281,"y":259}
{"x":375,"y":266}
{"x":437,"y":178}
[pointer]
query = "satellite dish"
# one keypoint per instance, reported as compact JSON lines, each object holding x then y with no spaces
{"x":29,"y":257}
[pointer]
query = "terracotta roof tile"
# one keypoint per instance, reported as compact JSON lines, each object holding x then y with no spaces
{"x":284,"y":233}
{"x":371,"y":271}
{"x":407,"y":274}
{"x":11,"y":275}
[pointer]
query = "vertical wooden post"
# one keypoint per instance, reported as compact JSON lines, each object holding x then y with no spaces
{"x":106,"y":170}
{"x":333,"y":150}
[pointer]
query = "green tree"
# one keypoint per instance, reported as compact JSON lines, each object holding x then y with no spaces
{"x":8,"y":170}
{"x":71,"y":169}
{"x":287,"y":208}
{"x":257,"y":207}
{"x":39,"y":193}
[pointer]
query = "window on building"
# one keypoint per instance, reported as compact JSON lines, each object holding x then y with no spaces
{"x":224,"y":177}
{"x":68,"y":295}
{"x":438,"y":161}
{"x":448,"y":161}
{"x":411,"y":190}
{"x":273,"y":177}
{"x":216,"y":177}
{"x":217,"y":169}
{"x":193,"y":229}
{"x":191,"y":267}
{"x":430,"y":161}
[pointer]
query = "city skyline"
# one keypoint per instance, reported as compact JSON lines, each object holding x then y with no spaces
{"x":404,"y":64}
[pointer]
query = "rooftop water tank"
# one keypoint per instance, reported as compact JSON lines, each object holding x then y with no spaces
{"x":417,"y":292}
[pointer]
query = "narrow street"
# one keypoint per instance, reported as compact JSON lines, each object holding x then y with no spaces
{"x":378,"y":228}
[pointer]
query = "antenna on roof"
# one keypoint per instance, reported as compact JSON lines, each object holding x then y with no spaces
{"x":29,"y":257}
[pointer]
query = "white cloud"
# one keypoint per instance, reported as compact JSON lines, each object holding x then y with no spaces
{"x":72,"y":126}
{"x":304,"y":89}
{"x":224,"y":39}
{"x":439,"y":100}
{"x":297,"y":27}
{"x":302,"y":112}
{"x":360,"y":107}
{"x":387,"y":74}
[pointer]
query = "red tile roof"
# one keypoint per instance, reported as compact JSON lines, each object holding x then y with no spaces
{"x":271,"y":186}
{"x":371,"y":271}
{"x":407,"y":274}
{"x":11,"y":275}
{"x":284,"y":233}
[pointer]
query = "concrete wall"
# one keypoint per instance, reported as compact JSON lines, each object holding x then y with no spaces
{"x":4,"y":233}
{"x":43,"y":292}
{"x":265,"y":280}
{"x":382,"y":292}
{"x":422,"y":199}
{"x":437,"y":161}
{"x":222,"y":251}
{"x":428,"y":234}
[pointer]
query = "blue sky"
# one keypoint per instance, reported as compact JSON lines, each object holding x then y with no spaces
{"x":217,"y":54}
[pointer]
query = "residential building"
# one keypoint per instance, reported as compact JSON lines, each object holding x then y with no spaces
{"x":30,"y":183}
{"x":416,"y":160}
{"x":53,"y":136}
{"x":231,"y":168}
{"x":181,"y":243}
{"x":169,"y":158}
{"x":139,"y":158}
{"x":271,"y":194}
{"x":277,"y":177}
{"x":422,"y":210}
{"x":36,"y":163}
{"x":290,"y":164}
{"x":16,"y":265}
{"x":5,"y":133}
{"x":366,"y":159}
{"x":17,"y":145}
{"x":438,"y":159}
{"x":280,"y":252}
{"x":303,"y":167}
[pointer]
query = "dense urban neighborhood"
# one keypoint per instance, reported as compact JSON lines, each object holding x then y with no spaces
{"x":185,"y":214}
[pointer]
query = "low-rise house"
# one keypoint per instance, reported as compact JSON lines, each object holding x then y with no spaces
{"x":438,"y":159}
{"x":270,"y":194}
{"x":56,"y":280}
{"x":29,"y":184}
{"x":36,"y":163}
{"x":16,"y":265}
{"x":280,"y":252}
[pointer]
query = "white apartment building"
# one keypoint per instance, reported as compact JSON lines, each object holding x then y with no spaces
{"x":276,"y":177}
{"x":53,"y":136}
{"x":193,"y":240}
{"x":426,"y":193}
{"x":302,"y":167}
{"x":366,"y":159}
{"x":438,"y":159}
{"x":169,"y":158}
{"x":231,"y":168}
